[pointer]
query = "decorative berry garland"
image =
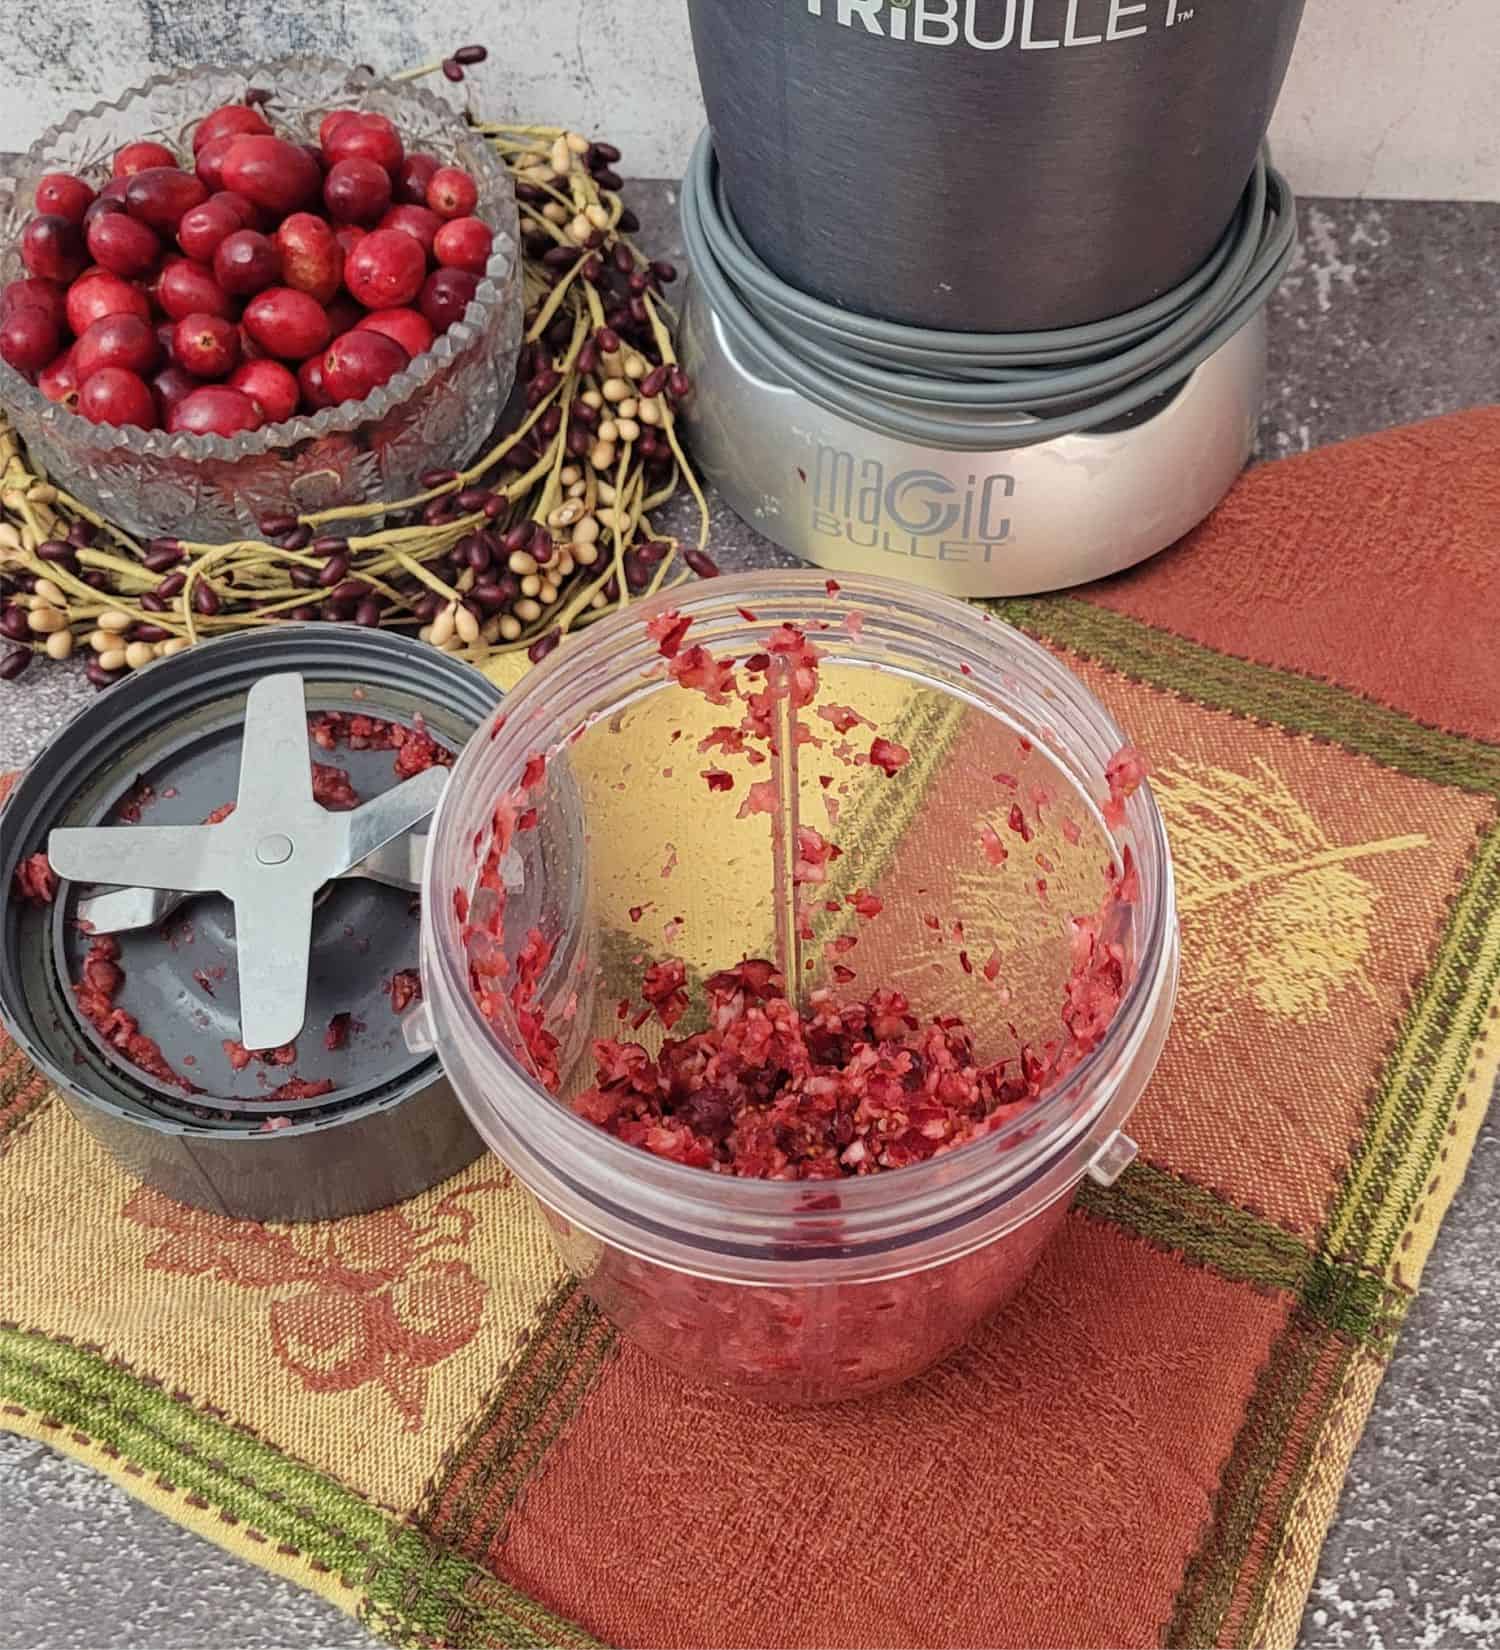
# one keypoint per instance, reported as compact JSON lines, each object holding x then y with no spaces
{"x":548,"y":530}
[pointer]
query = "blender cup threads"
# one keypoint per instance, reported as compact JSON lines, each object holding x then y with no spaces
{"x":128,"y":1001}
{"x":801,"y":1291}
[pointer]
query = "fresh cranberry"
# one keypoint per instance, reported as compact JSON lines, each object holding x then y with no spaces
{"x":409,"y":327}
{"x":205,"y":227}
{"x":171,"y":385}
{"x":287,"y":323}
{"x":92,"y":297}
{"x":59,"y":383}
{"x":186,"y":288}
{"x":464,"y":243}
{"x":115,"y":396}
{"x":370,"y":136}
{"x":417,"y":221}
{"x":331,"y":122}
{"x":215,"y":409}
{"x":385,"y":270}
{"x":246,"y":263}
{"x":29,"y":340}
{"x":114,"y":190}
{"x":207,"y":346}
{"x":123,"y":245}
{"x":141,"y":157}
{"x":273,"y":173}
{"x":452,"y":193}
{"x":52,"y":247}
{"x":270,"y":385}
{"x":116,"y":341}
{"x":232,"y":120}
{"x":446,"y":295}
{"x":360,"y":362}
{"x":103,"y":207}
{"x":161,"y":194}
{"x":249,"y":214}
{"x":209,"y":162}
{"x":412,"y":179}
{"x":62,"y":195}
{"x":310,"y":381}
{"x":32,"y":293}
{"x":356,"y":190}
{"x":349,"y":235}
{"x":312,"y":261}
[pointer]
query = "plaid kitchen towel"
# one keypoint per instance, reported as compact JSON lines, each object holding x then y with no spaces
{"x":417,"y":1414}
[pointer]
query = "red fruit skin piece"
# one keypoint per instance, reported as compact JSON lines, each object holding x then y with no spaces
{"x":246,"y":263}
{"x":312,"y":261}
{"x":207,"y":346}
{"x":204,"y":227}
{"x":417,"y":221}
{"x":272,"y":173}
{"x":141,"y":157}
{"x":310,"y":382}
{"x":123,"y":245}
{"x":29,"y":340}
{"x":370,"y":136}
{"x":464,"y":243}
{"x":59,"y":383}
{"x":287,"y":323}
{"x":209,"y":162}
{"x":452,"y":193}
{"x":171,"y":385}
{"x":409,"y":327}
{"x":65,"y":196}
{"x":215,"y":409}
{"x":186,"y":288}
{"x":272,"y":386}
{"x":357,"y":190}
{"x":161,"y":194}
{"x":115,"y":396}
{"x":116,"y":341}
{"x":52,"y":248}
{"x":360,"y":362}
{"x":446,"y":295}
{"x":92,"y":297}
{"x":412,"y":179}
{"x":30,"y":292}
{"x":232,"y":120}
{"x":385,"y":270}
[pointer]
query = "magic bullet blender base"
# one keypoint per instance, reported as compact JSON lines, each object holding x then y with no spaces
{"x":978,"y":464}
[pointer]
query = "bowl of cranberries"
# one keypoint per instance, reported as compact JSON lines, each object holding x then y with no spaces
{"x":246,"y":292}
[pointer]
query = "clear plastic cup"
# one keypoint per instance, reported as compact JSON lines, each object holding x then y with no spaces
{"x":796,"y":1291}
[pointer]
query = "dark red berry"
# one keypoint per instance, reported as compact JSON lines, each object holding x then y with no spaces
{"x":64,"y":196}
{"x":385,"y":270}
{"x":273,"y":386}
{"x":116,"y":341}
{"x":123,"y":245}
{"x":357,"y":190}
{"x":452,"y":193}
{"x":233,"y":120}
{"x":114,"y":396}
{"x":359,"y":362}
{"x":369,"y":136}
{"x":207,"y":346}
{"x":29,"y":340}
{"x":246,"y":263}
{"x":445,"y":296}
{"x":409,"y":327}
{"x":52,"y":247}
{"x":204,"y":227}
{"x":215,"y":409}
{"x":312,"y":261}
{"x":414,"y":175}
{"x":417,"y":221}
{"x":160,"y":196}
{"x":287,"y":323}
{"x":141,"y":157}
{"x":275,"y":174}
{"x":464,"y":243}
{"x":187,"y":288}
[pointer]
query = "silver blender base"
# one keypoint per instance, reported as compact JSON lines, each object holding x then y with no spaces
{"x":1006,"y":523}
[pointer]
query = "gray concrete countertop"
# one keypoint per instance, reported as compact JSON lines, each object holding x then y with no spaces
{"x":1389,"y":315}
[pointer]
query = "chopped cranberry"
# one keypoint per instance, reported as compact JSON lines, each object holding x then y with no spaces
{"x":406,"y":989}
{"x":888,"y":756}
{"x":35,"y":881}
{"x":1126,"y":769}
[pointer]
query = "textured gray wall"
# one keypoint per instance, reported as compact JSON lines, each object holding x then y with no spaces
{"x":1386,"y":97}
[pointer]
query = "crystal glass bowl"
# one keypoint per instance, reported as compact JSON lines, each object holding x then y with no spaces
{"x":211,"y":488}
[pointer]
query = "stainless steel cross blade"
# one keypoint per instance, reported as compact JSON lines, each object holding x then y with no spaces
{"x":124,"y":910}
{"x":270,"y":856}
